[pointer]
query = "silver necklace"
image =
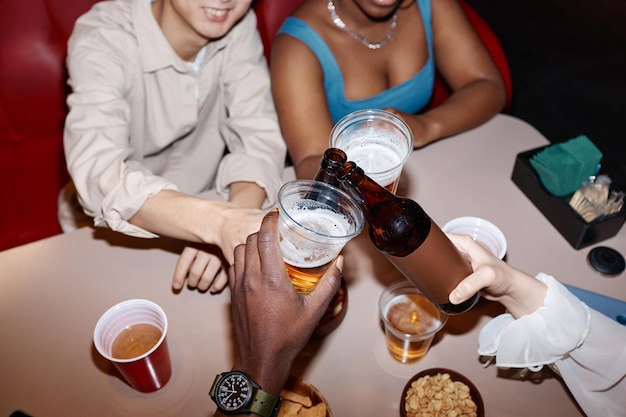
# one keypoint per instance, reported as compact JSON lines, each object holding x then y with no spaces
{"x":341,"y":25}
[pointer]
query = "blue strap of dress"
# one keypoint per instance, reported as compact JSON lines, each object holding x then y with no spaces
{"x":410,"y":96}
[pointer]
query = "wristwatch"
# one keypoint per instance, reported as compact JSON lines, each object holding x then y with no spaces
{"x":236,"y":393}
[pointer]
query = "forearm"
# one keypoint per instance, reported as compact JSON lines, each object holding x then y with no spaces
{"x":524,"y":295}
{"x":308,"y":167}
{"x":180,"y":216}
{"x":246,"y":194}
{"x":465,"y":109}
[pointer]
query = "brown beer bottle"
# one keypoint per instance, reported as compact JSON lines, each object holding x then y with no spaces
{"x":412,"y":242}
{"x":333,"y":161}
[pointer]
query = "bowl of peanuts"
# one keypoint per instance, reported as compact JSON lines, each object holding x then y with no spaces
{"x":439,"y":392}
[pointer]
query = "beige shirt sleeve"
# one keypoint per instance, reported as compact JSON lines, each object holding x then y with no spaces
{"x":252,"y":133}
{"x":105,"y":165}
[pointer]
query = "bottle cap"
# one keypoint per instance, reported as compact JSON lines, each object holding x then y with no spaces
{"x":606,"y":260}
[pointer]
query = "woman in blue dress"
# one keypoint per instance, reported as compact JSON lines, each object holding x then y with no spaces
{"x":333,"y":57}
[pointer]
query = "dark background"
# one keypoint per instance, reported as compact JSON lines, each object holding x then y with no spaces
{"x":568,"y":66}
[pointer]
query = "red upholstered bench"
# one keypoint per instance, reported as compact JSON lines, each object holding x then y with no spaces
{"x":33,"y":38}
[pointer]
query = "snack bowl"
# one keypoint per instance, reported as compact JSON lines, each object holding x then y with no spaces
{"x":301,"y":398}
{"x":455,"y":390}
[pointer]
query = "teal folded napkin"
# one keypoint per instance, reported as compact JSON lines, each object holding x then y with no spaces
{"x":563,"y":167}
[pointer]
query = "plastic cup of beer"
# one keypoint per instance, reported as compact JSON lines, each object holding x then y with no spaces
{"x":411,"y":321}
{"x":378,"y":141}
{"x":132,"y":335}
{"x":315,"y":222}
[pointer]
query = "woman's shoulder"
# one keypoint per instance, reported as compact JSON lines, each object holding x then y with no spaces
{"x":312,"y":12}
{"x":308,"y":22}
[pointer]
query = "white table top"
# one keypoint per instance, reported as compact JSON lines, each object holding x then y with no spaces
{"x":53,"y":291}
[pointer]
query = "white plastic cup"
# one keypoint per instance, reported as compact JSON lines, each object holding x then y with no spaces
{"x":481,"y":230}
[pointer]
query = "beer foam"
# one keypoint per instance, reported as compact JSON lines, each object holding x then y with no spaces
{"x":302,"y":252}
{"x":376,"y":154}
{"x":322,"y":221}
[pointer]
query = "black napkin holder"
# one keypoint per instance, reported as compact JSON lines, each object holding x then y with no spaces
{"x":557,"y":210}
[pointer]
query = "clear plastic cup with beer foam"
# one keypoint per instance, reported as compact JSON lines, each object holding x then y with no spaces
{"x":316,"y":220}
{"x":378,"y":141}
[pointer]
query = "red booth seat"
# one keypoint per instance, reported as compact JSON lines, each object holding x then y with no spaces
{"x":33,"y":37}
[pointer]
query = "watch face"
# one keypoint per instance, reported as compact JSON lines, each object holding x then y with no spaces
{"x":233,"y":391}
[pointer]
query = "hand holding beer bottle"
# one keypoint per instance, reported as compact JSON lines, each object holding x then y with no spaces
{"x":407,"y":236}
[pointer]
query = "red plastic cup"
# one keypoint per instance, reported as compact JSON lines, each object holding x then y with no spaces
{"x":149,"y":371}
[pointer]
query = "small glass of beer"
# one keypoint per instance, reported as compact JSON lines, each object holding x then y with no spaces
{"x":378,"y":141}
{"x":315,"y":222}
{"x":410,"y":320}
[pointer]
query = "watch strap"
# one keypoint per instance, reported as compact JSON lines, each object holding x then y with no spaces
{"x":264,"y":404}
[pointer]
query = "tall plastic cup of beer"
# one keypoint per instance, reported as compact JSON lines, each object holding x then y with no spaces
{"x":378,"y":141}
{"x":315,"y":222}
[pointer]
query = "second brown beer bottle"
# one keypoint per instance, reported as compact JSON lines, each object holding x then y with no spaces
{"x":406,"y":235}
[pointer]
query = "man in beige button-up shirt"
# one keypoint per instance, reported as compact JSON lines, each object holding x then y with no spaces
{"x":171,"y":98}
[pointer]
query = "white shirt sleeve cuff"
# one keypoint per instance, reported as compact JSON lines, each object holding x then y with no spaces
{"x":542,"y":337}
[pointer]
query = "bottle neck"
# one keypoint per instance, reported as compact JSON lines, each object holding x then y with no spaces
{"x":334,"y":159}
{"x":332,"y":162}
{"x":362,"y":188}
